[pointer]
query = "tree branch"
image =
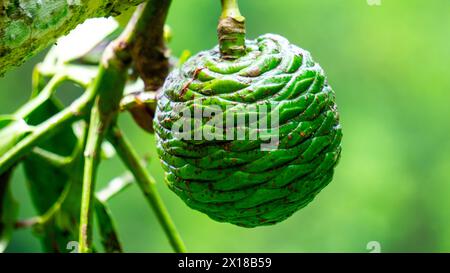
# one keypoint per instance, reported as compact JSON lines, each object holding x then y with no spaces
{"x":149,"y":51}
{"x":147,"y":185}
{"x":151,"y":60}
{"x":115,"y":186}
{"x":27,"y":27}
{"x":110,"y":85}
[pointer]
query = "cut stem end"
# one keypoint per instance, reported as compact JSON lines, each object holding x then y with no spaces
{"x":231,"y":31}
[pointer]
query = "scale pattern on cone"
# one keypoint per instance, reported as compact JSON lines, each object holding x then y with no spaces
{"x":236,"y":181}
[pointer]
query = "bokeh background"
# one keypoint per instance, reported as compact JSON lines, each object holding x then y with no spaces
{"x":389,"y":66}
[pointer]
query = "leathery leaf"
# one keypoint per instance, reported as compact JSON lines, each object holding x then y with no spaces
{"x":8,"y":210}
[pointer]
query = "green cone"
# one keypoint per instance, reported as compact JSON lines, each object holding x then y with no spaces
{"x":236,"y":180}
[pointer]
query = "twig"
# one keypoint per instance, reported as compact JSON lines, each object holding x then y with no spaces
{"x":149,"y":51}
{"x":63,"y":162}
{"x":48,"y":215}
{"x":93,"y":145}
{"x":151,"y":59}
{"x":110,"y":84}
{"x":115,"y":186}
{"x":42,"y":96}
{"x":148,"y":186}
{"x":45,"y":130}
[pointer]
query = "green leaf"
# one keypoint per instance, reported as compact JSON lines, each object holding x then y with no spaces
{"x":108,"y":233}
{"x":9,"y":209}
{"x":12,"y":130}
{"x":62,"y":227}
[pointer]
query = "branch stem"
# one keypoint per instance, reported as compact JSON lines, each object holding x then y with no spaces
{"x":147,"y":185}
{"x":28,"y":27}
{"x":42,"y":96}
{"x":91,"y":155}
{"x":45,"y":130}
{"x":231,"y":31}
{"x":49,"y":214}
{"x":109,"y":84}
{"x":149,"y":51}
{"x":115,"y":186}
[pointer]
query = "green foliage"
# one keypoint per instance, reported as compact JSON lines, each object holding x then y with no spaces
{"x":9,"y":209}
{"x":389,"y":68}
{"x":110,"y":239}
{"x":48,"y":181}
{"x":54,"y":168}
{"x":13,"y":129}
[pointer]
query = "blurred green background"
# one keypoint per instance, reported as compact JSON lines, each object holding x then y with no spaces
{"x":389,"y":66}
